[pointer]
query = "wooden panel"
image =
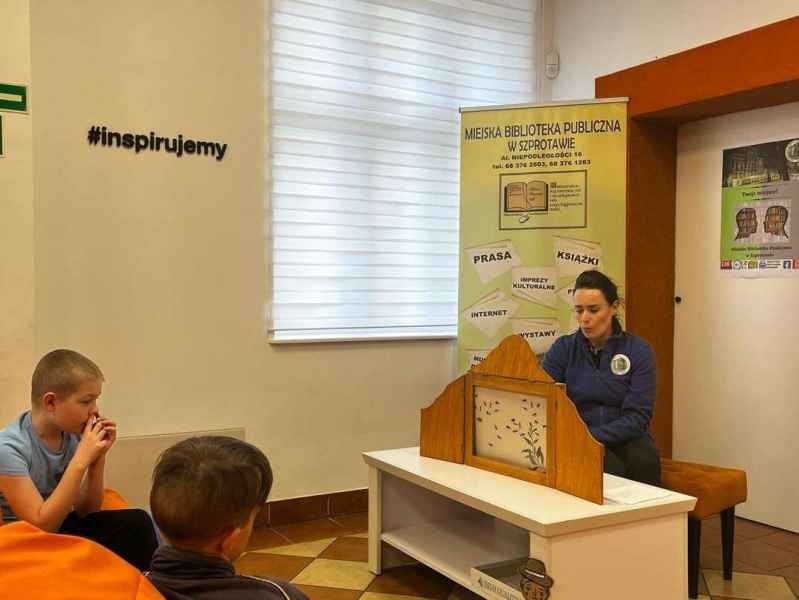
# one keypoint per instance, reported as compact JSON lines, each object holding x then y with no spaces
{"x":294,"y":510}
{"x":350,"y":502}
{"x":443,"y":425}
{"x":772,"y":95}
{"x":759,"y":65}
{"x":649,"y":285}
{"x":513,"y":357}
{"x":447,"y":428}
{"x":511,"y":471}
{"x":306,"y":508}
{"x":580,"y":458}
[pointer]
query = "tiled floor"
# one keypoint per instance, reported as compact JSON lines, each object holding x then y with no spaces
{"x":326,"y":558}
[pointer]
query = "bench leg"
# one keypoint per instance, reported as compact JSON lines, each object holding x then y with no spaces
{"x":694,"y":533}
{"x":727,"y":540}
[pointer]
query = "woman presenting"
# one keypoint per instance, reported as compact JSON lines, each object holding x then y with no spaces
{"x":610,"y":376}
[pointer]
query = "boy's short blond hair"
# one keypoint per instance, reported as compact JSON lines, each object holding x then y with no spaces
{"x":206,"y":486}
{"x":61,"y":372}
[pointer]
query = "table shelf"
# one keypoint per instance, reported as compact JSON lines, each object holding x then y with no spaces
{"x":454,"y":547}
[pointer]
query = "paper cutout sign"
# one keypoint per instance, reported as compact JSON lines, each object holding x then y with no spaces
{"x":539,"y":333}
{"x":491,"y":312}
{"x":535,"y":284}
{"x":494,"y":259}
{"x":477,"y":356}
{"x":572,"y":257}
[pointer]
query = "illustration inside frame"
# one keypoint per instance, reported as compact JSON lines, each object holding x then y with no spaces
{"x":510,"y":427}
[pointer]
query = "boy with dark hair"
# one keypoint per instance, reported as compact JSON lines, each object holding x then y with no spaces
{"x":52,"y":461}
{"x":206,"y":494}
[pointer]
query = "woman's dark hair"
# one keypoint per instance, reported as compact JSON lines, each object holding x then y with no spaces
{"x":595,"y":280}
{"x":205,"y":486}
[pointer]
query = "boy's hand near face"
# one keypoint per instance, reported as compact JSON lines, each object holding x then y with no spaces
{"x":98,"y":436}
{"x":94,"y":442}
{"x":109,"y":430}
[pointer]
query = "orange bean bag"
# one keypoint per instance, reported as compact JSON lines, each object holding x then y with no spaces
{"x":50,"y":566}
{"x":112,"y":500}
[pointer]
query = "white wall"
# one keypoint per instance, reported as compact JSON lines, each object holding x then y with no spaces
{"x":735,"y":377}
{"x":16,"y":218}
{"x":736,"y":382}
{"x":597,"y":37}
{"x":157,"y":266}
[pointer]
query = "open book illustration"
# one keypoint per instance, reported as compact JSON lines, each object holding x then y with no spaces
{"x":521,"y":196}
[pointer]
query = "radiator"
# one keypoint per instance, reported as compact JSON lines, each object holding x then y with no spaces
{"x":129,"y":464}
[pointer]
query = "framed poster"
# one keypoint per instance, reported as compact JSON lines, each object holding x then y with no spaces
{"x":759,"y":190}
{"x":510,"y":427}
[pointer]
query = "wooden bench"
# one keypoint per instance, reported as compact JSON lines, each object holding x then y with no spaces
{"x":718,"y":491}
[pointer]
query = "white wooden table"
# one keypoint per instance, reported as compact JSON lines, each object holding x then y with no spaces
{"x":452,"y":517}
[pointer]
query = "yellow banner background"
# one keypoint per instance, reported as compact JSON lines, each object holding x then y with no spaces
{"x":567,"y":167}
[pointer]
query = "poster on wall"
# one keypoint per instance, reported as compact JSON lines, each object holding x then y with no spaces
{"x":543,"y":198}
{"x":759,"y":188}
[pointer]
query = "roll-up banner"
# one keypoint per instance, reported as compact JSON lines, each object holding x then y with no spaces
{"x":543,"y":198}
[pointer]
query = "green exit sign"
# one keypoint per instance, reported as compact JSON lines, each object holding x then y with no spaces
{"x":13,"y":97}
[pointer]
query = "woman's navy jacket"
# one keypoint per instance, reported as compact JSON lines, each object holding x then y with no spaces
{"x":616,"y":408}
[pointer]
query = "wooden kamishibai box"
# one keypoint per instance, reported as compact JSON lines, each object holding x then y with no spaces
{"x":508,"y":416}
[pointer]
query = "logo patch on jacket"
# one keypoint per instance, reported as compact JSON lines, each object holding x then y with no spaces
{"x":620,"y":364}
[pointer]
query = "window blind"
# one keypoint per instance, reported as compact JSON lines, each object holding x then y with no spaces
{"x":364,"y":124}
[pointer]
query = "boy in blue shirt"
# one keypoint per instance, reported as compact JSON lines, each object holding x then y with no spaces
{"x":52,"y":461}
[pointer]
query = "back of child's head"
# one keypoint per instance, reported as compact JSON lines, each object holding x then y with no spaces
{"x":62,"y":372}
{"x":206,"y":486}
